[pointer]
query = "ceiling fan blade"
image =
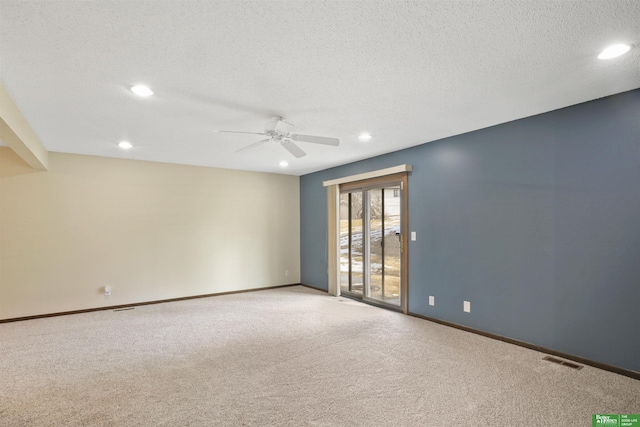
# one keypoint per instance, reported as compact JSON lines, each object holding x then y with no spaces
{"x":235,"y":131}
{"x":254,"y":145}
{"x":293,"y":149}
{"x":316,"y":139}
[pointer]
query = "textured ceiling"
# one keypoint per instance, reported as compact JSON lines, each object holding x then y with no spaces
{"x":408,"y":72}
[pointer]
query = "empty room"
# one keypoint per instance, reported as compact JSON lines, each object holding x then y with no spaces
{"x":319,"y":213}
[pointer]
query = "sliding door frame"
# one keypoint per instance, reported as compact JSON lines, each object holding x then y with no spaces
{"x":373,"y":183}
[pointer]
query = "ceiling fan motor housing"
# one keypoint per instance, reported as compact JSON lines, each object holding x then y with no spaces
{"x":277,"y":126}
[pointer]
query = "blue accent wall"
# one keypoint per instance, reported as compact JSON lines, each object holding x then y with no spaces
{"x":536,"y":222}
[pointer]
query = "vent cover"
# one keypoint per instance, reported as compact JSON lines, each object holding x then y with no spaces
{"x":562,"y":362}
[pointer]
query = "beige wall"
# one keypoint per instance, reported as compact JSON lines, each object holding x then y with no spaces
{"x":151,"y":231}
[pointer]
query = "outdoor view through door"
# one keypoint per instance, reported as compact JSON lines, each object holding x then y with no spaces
{"x":371,"y":240}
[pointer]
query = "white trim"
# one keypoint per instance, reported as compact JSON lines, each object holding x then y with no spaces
{"x":369,"y":175}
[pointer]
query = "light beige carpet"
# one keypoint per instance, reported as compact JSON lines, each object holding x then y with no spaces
{"x":285,"y":357}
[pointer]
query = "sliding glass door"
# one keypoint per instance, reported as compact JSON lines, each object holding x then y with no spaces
{"x":351,"y":243}
{"x":384,"y":244}
{"x":372,"y":241}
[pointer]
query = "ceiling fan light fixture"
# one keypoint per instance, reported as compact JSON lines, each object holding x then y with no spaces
{"x":141,"y":90}
{"x":364,"y":137}
{"x":614,"y":51}
{"x":277,"y":130}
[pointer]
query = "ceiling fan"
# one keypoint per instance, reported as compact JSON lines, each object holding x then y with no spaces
{"x":278,"y":130}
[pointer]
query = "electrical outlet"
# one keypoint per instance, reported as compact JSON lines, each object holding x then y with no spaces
{"x":286,"y":272}
{"x":413,"y":236}
{"x":467,"y":307}
{"x":432,"y":300}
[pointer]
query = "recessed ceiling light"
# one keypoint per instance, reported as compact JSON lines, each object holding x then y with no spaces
{"x":125,"y":145}
{"x":284,"y":164}
{"x":364,"y":137}
{"x":141,"y":90}
{"x":613,"y":51}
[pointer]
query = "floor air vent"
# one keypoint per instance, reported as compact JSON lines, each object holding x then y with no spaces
{"x":562,"y":362}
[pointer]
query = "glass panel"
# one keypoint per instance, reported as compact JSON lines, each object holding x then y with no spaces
{"x":379,"y":265}
{"x":391,"y":269}
{"x":357,"y":246}
{"x":376,"y":256}
{"x":344,"y":242}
